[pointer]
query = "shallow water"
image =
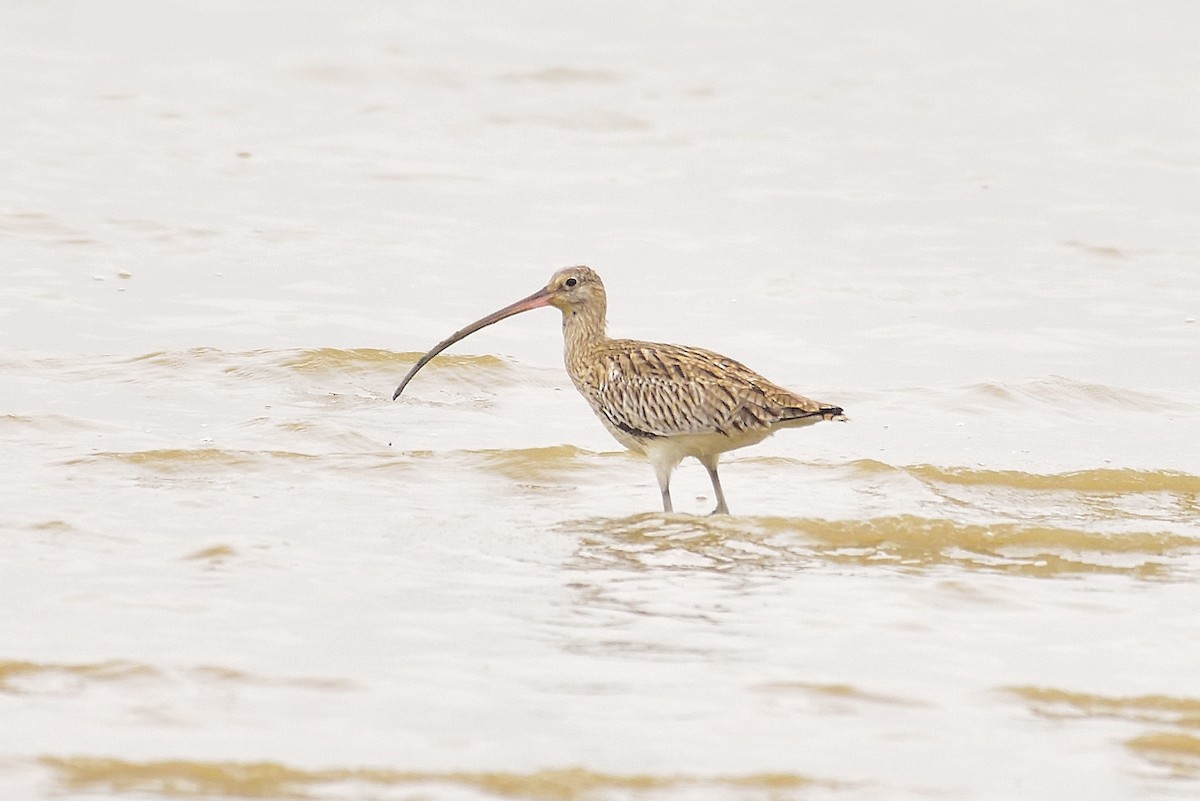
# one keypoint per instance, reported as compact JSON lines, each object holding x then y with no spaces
{"x":233,"y":568}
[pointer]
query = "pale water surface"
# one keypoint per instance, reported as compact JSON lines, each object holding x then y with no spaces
{"x":232,"y":567}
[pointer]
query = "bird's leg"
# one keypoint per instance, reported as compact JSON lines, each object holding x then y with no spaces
{"x":662,"y":470}
{"x":664,"y":486}
{"x":710,"y":464}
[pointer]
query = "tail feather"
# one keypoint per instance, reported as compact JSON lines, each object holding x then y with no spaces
{"x":825,"y":411}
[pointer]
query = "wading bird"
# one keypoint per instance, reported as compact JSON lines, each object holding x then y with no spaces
{"x":665,"y":402}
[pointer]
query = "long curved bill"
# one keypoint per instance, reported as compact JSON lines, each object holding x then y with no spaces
{"x":534,"y":301}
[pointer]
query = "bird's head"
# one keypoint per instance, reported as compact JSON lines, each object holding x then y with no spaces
{"x":574,"y":288}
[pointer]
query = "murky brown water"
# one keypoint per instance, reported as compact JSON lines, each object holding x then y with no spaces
{"x":231,"y":567}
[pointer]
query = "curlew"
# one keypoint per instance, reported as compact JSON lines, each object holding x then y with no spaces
{"x":665,"y":402}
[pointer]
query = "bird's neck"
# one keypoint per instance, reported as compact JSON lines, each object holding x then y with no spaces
{"x":583,"y":328}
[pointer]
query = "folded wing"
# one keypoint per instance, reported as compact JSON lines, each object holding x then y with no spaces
{"x":656,"y":390}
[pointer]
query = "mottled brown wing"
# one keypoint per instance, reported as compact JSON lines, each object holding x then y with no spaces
{"x":663,"y":390}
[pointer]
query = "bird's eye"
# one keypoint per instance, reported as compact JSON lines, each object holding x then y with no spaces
{"x":571,"y":282}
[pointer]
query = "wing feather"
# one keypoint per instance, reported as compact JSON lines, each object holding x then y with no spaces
{"x":650,"y":389}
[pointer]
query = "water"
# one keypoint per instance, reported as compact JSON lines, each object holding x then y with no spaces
{"x":232,"y":567}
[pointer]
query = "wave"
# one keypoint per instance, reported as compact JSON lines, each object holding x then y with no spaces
{"x":1059,"y":393}
{"x":899,"y":541}
{"x":275,"y":780}
{"x":23,"y":677}
{"x":539,"y":464}
{"x":1177,"y":748}
{"x":44,"y":422}
{"x":1098,"y":480}
{"x":323,"y":360}
{"x":182,"y":458}
{"x":1159,"y":709}
{"x":1176,"y":751}
{"x":14,"y":673}
{"x":311,"y":360}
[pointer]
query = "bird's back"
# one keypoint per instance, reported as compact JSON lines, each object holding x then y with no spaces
{"x":647,"y":390}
